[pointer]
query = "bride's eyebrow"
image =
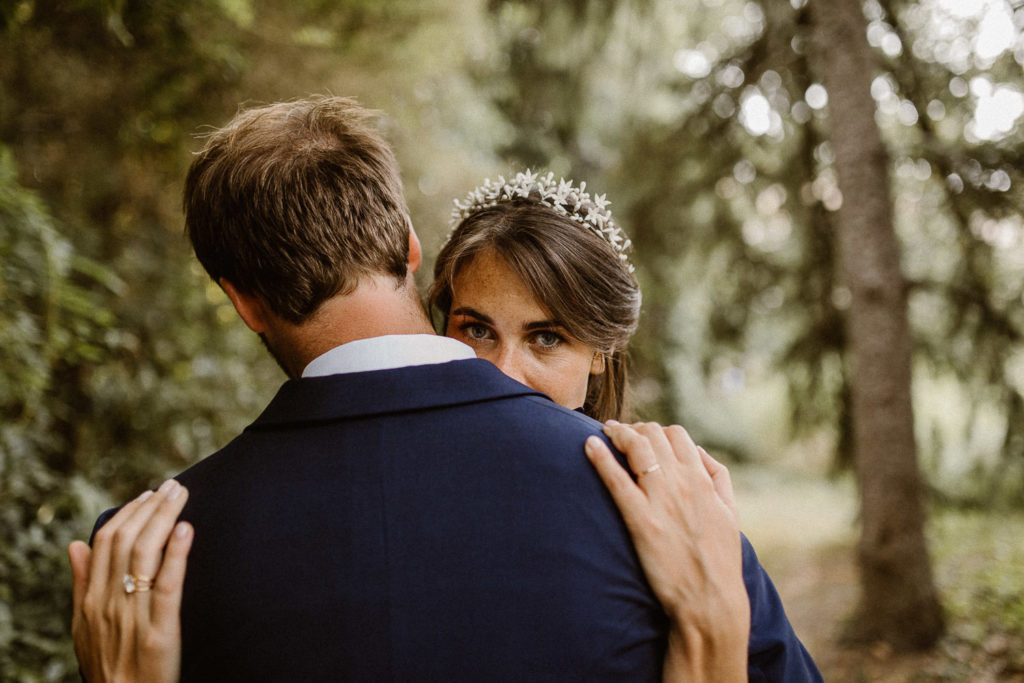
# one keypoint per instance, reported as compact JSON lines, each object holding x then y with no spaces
{"x":472,"y":313}
{"x":543,"y":324}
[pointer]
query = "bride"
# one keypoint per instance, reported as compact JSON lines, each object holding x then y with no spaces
{"x":535,"y":278}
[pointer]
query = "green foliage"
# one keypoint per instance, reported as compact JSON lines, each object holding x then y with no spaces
{"x":979,"y":563}
{"x":50,"y":322}
{"x":95,"y":392}
{"x":983,"y":586}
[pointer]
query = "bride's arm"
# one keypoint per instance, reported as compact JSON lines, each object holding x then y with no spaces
{"x":132,"y":636}
{"x":682,"y":517}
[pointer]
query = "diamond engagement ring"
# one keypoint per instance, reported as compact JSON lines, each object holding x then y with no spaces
{"x":136,"y":584}
{"x":653,"y":468}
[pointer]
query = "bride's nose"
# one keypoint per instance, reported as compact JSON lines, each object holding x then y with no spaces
{"x":510,"y":362}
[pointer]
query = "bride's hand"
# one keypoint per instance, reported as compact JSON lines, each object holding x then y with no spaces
{"x":681,"y":514}
{"x":132,"y":636}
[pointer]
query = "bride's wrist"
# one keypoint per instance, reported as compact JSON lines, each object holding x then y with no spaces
{"x":715,"y":650}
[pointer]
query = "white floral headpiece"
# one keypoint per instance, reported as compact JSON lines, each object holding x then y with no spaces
{"x":563,"y":197}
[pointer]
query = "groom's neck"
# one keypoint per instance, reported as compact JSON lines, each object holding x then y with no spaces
{"x":378,"y":306}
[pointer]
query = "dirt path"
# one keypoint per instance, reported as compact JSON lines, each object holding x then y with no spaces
{"x":804,"y":532}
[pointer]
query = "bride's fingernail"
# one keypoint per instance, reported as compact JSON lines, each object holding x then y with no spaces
{"x":591,"y":444}
{"x":144,"y":496}
{"x":612,"y":423}
{"x":181,"y":529}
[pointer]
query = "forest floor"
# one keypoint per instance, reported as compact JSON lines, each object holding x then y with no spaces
{"x":803,"y":529}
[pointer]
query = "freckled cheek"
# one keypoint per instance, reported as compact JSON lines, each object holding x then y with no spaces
{"x":486,"y":353}
{"x":565,"y":384}
{"x":508,"y":363}
{"x":573,"y":376}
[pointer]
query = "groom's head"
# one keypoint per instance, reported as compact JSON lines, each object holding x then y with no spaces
{"x":294,"y":202}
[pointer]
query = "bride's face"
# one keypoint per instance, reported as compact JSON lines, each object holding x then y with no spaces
{"x":494,"y":312}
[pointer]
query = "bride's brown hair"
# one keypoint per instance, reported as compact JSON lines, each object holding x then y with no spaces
{"x":573,"y":273}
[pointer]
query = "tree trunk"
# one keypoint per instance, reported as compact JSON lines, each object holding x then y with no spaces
{"x":898,"y":602}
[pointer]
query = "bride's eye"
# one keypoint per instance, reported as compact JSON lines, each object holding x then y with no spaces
{"x":475,"y":331}
{"x":547,"y":339}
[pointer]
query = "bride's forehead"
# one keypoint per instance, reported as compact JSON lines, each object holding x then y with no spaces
{"x":488,"y":279}
{"x":485,"y":272}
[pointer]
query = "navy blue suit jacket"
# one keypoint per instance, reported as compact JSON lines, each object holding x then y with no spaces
{"x":436,"y":522}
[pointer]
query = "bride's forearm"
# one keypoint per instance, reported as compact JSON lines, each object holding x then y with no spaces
{"x":701,"y":657}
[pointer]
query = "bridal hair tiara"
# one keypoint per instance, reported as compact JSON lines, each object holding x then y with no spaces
{"x":563,"y":197}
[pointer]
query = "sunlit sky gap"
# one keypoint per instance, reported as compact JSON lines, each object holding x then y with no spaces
{"x":997,"y":106}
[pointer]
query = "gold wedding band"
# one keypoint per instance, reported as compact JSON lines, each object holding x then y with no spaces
{"x":136,"y":584}
{"x":653,"y":468}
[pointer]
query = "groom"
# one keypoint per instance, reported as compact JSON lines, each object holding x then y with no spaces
{"x":401,"y":510}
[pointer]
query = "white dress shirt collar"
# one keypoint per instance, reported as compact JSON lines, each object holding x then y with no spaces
{"x":386,"y":353}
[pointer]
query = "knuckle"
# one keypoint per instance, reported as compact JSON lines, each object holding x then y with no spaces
{"x":675,"y":430}
{"x":140,"y":554}
{"x":155,"y":642}
{"x":102,"y":535}
{"x":649,"y":429}
{"x":629,"y":434}
{"x":121,"y":538}
{"x":638,"y":444}
{"x":89,"y":610}
{"x":624,"y":437}
{"x":167,"y":586}
{"x":109,"y":613}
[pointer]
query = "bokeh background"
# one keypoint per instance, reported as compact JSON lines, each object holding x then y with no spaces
{"x":706,"y":123}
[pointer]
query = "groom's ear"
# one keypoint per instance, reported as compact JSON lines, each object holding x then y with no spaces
{"x":250,"y":307}
{"x":415,"y":251}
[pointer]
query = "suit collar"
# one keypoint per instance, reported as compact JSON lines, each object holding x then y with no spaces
{"x":363,"y":394}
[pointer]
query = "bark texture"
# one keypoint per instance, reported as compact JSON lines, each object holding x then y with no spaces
{"x":898,"y":603}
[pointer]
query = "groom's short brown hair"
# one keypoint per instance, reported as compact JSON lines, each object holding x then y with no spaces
{"x":295,"y":201}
